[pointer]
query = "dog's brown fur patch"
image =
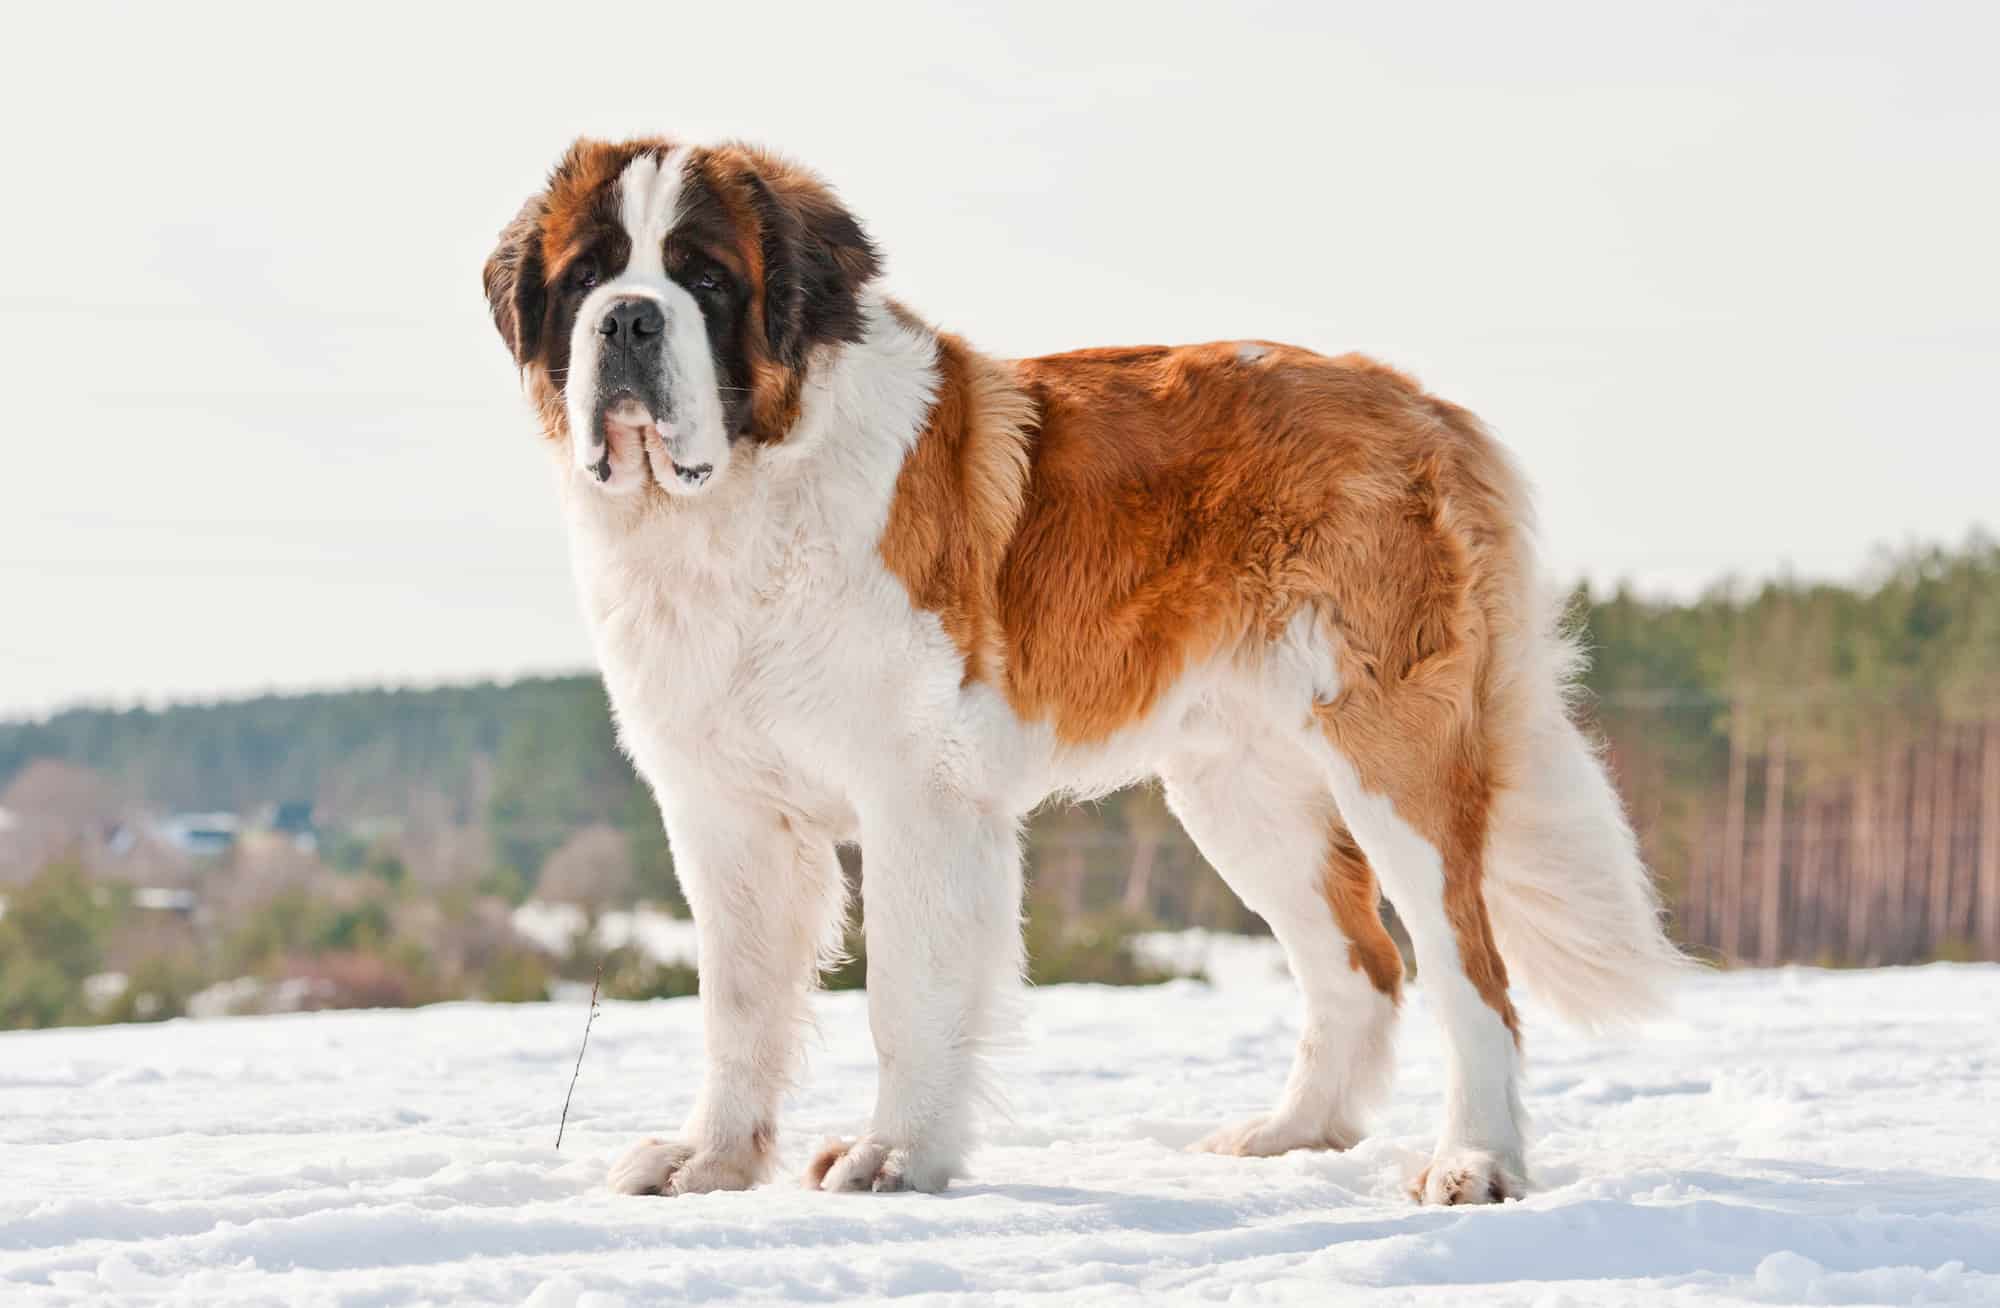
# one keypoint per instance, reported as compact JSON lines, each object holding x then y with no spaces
{"x":958,"y":503}
{"x":1186,"y":503}
{"x":1348,"y":885}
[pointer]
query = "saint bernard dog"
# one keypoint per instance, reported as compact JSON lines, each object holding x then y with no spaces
{"x":851,"y":580}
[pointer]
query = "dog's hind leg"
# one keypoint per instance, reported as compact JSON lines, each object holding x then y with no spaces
{"x":1414,"y":778}
{"x":1268,"y":825}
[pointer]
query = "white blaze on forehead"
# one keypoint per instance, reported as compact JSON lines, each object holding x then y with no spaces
{"x":691,"y":432}
{"x":649,"y":196}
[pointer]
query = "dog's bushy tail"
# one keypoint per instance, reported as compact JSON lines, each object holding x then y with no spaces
{"x":1575,"y":914}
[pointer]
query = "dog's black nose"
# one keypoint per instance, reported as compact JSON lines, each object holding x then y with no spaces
{"x":632,"y":321}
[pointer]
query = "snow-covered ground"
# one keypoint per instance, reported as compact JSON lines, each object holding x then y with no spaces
{"x":661,"y":936}
{"x":1792,"y":1137}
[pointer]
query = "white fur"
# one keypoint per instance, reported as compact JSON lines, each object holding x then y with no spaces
{"x":1574,"y":913}
{"x":649,"y":197}
{"x":1263,"y":819}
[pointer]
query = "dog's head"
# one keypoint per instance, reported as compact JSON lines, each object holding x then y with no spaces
{"x":664,"y":301}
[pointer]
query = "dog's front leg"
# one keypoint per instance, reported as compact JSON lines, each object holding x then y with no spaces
{"x":767,"y":900}
{"x":941,"y":892}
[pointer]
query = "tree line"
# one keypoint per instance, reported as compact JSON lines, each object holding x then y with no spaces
{"x":1813,"y":767}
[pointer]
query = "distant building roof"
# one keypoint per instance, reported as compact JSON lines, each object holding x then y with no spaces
{"x":164,"y":898}
{"x":294,"y":817}
{"x":200,"y":833}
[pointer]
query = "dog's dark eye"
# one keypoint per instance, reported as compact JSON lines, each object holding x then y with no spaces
{"x":710,"y":280}
{"x":584,"y":278}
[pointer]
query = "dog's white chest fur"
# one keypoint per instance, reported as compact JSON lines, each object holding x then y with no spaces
{"x":752,"y":641}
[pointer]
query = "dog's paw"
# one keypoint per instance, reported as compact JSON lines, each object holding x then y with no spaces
{"x":649,"y":1167}
{"x":869,"y":1164}
{"x":1468,"y":1176}
{"x":670,"y":1167}
{"x":1269,"y":1135}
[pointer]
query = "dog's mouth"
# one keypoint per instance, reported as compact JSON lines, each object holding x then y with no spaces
{"x":631,"y":432}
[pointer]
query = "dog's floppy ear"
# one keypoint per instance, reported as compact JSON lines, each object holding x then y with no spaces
{"x":515,"y":288}
{"x":816,"y":260}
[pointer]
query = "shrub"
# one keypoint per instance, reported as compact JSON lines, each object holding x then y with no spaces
{"x":155,"y":990}
{"x":51,"y":938}
{"x":295,"y":921}
{"x":514,"y":976}
{"x":34,"y":992}
{"x":630,"y":975}
{"x":355,"y":980}
{"x":1093,"y":949}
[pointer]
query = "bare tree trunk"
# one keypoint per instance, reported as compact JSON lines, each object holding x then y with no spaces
{"x":1147,"y":825}
{"x":1771,"y":899}
{"x":1815,"y":881}
{"x":1965,"y":838}
{"x":1730,"y":938}
{"x":1944,"y":812}
{"x":1207,"y":893}
{"x":1139,"y":876}
{"x":1861,"y":865}
{"x":1694,"y":887}
{"x":1069,"y":882}
{"x":1989,"y":843}
{"x":1921,"y":877}
{"x":1891,"y":828}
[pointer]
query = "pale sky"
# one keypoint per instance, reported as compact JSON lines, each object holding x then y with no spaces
{"x":1724,"y":276}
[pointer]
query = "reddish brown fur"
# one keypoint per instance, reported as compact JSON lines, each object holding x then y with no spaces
{"x":957,"y":501}
{"x":577,"y":188}
{"x":1348,"y":885}
{"x":1185,"y":504}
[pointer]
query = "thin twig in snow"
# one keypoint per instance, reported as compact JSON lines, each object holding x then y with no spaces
{"x":579,"y":1053}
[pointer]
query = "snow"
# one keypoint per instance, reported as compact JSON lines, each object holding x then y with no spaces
{"x":1794,"y":1137}
{"x":659,"y":935}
